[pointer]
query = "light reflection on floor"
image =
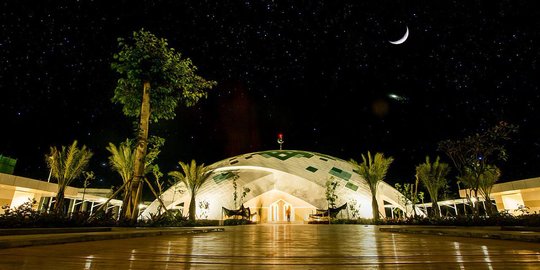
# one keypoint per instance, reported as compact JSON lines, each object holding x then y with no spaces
{"x":281,"y":247}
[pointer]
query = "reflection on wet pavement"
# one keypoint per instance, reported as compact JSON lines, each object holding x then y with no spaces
{"x":280,"y":246}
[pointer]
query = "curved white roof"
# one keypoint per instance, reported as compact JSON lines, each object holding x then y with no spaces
{"x":300,"y":174}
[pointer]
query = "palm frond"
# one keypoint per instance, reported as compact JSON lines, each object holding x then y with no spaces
{"x":373,"y":169}
{"x":192,"y":175}
{"x":122,"y":159}
{"x":433,"y":176}
{"x":67,"y":165}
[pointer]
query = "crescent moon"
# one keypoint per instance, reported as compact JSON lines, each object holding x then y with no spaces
{"x":403,"y":39}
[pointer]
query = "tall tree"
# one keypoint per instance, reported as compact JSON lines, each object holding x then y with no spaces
{"x":154,"y":78}
{"x":487,"y":180}
{"x":473,"y":155}
{"x":433,"y":176}
{"x":373,"y":170}
{"x":193,"y":176}
{"x":66,"y":164}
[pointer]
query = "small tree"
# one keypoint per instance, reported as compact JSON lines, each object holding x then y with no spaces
{"x":487,"y":180}
{"x":193,"y":176}
{"x":153,"y":80}
{"x":204,"y":206}
{"x":245,"y":191}
{"x":88,"y":177}
{"x":408,"y":196}
{"x":331,"y":196}
{"x":480,"y":182}
{"x":472,"y":183}
{"x":354,"y":208}
{"x":66,"y":164}
{"x":373,"y":170}
{"x":433,"y":176}
{"x":472,"y":155}
{"x":156,"y":172}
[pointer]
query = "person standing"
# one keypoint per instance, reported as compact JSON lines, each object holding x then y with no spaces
{"x":288,"y":212}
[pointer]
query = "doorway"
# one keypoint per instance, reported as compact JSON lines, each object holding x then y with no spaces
{"x":278,"y":211}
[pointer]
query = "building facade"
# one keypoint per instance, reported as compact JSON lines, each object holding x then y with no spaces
{"x":280,"y":182}
{"x":17,"y":190}
{"x":518,"y":197}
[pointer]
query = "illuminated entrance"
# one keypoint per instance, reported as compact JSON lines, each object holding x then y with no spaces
{"x":278,"y":211}
{"x":272,"y":206}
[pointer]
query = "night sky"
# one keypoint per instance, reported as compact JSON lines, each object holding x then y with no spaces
{"x":321,"y":72}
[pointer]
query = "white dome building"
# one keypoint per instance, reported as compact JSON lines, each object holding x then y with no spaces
{"x":279,"y":179}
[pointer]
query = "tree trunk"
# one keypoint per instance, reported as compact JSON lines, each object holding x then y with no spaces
{"x":489,"y":205}
{"x":132,"y":212}
{"x":136,"y":198}
{"x":59,"y":204}
{"x":374,"y":207}
{"x":435,"y":208}
{"x":476,"y":204}
{"x":192,"y":206}
{"x":471,"y":202}
{"x":434,"y":205}
{"x":126,"y":198}
{"x":414,"y":200}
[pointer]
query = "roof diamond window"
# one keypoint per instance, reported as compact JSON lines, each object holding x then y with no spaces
{"x":351,"y":186}
{"x":340,"y":173}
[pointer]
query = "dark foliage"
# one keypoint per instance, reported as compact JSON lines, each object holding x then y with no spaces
{"x":174,"y":218}
{"x":25,"y":216}
{"x":501,"y":219}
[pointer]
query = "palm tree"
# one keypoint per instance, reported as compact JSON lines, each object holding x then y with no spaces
{"x":487,"y":180}
{"x":373,"y":170}
{"x":193,"y":176}
{"x":433,"y":176}
{"x":122,"y":160}
{"x":66,"y":164}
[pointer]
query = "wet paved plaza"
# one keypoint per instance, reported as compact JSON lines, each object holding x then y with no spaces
{"x":281,"y":247}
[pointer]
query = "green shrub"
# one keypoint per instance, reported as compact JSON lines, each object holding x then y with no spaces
{"x":174,"y":218}
{"x":25,"y":216}
{"x":22,"y":216}
{"x":499,"y":219}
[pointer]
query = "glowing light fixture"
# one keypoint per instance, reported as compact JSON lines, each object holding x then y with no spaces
{"x":280,"y":140}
